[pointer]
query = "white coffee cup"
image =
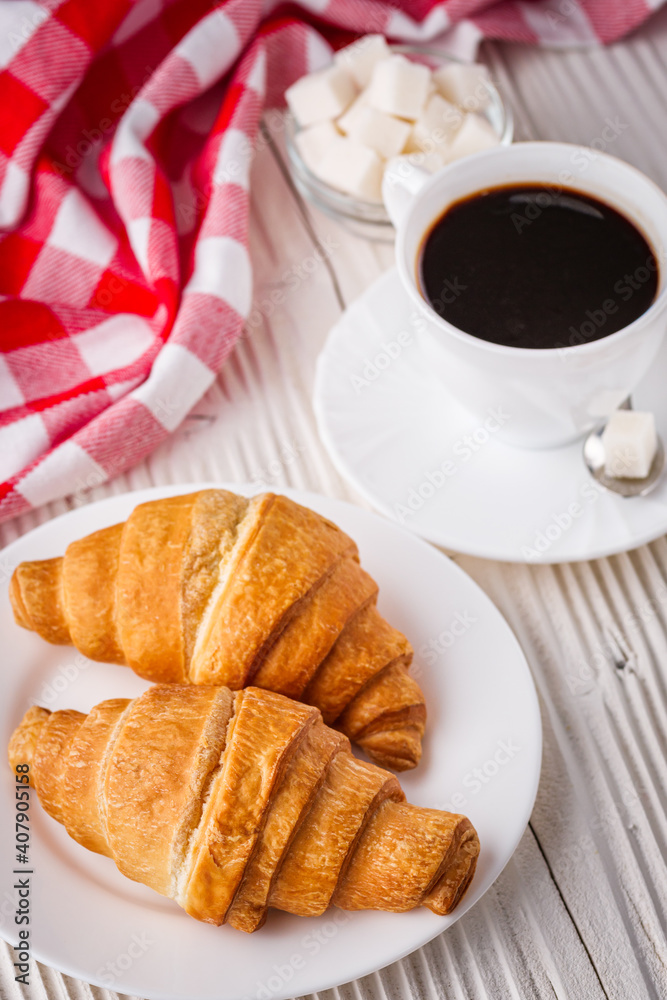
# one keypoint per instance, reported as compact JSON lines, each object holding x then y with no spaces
{"x":550,"y":396}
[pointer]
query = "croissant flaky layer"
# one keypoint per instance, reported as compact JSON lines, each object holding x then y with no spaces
{"x":230,"y":803}
{"x":214,"y":588}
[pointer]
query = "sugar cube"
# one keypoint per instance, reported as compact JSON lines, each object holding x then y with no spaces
{"x":428,"y":149}
{"x":346,"y":121}
{"x":466,"y":85}
{"x":474,"y":135}
{"x":352,"y":168}
{"x":359,"y":58}
{"x":379,"y":131}
{"x":438,"y":122}
{"x":630,"y":442}
{"x":319,"y":96}
{"x":399,"y":87}
{"x":313,"y":142}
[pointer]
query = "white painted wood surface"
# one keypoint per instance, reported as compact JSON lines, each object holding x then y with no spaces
{"x":581,"y":909}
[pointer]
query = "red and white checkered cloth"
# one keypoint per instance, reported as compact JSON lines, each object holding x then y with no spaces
{"x":126,"y":133}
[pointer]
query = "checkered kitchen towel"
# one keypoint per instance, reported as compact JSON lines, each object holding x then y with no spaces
{"x":125,"y":145}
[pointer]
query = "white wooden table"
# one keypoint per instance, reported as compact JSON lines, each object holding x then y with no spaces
{"x":581,"y":909}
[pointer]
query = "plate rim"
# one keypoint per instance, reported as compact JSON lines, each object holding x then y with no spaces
{"x":361,"y":967}
{"x":441,"y":539}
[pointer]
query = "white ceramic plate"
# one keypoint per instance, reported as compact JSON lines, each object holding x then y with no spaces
{"x":389,"y":428}
{"x":91,"y":922}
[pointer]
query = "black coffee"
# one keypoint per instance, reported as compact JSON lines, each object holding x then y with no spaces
{"x":529,"y":266}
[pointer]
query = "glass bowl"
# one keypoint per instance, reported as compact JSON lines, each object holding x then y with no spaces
{"x":370,"y":219}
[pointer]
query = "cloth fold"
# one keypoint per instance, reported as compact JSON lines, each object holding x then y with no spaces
{"x":126,"y":141}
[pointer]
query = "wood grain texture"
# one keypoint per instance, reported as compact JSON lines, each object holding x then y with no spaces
{"x":581,"y":909}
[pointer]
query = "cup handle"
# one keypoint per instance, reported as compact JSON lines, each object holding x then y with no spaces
{"x":401,"y":182}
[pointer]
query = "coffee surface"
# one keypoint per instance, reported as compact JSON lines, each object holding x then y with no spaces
{"x":531,"y":266}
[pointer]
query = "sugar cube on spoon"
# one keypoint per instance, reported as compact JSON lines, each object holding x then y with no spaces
{"x":630,"y":443}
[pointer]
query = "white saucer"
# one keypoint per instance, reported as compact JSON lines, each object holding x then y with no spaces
{"x":390,"y":429}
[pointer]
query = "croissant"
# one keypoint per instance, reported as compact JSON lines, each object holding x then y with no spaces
{"x":229,"y":803}
{"x":213,"y":588}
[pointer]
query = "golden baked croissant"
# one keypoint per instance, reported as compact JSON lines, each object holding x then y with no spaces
{"x":231,"y":803}
{"x":213,"y":588}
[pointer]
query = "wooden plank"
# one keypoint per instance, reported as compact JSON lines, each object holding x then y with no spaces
{"x":589,"y":816}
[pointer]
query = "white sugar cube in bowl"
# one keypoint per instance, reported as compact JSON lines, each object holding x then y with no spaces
{"x":399,"y":87}
{"x":474,"y":135}
{"x":376,"y":102}
{"x":320,"y":96}
{"x":361,"y":57}
{"x":381,"y":132}
{"x":466,"y":85}
{"x":346,"y":121}
{"x":630,"y":442}
{"x":355,"y":169}
{"x":439,"y":121}
{"x":314,"y":141}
